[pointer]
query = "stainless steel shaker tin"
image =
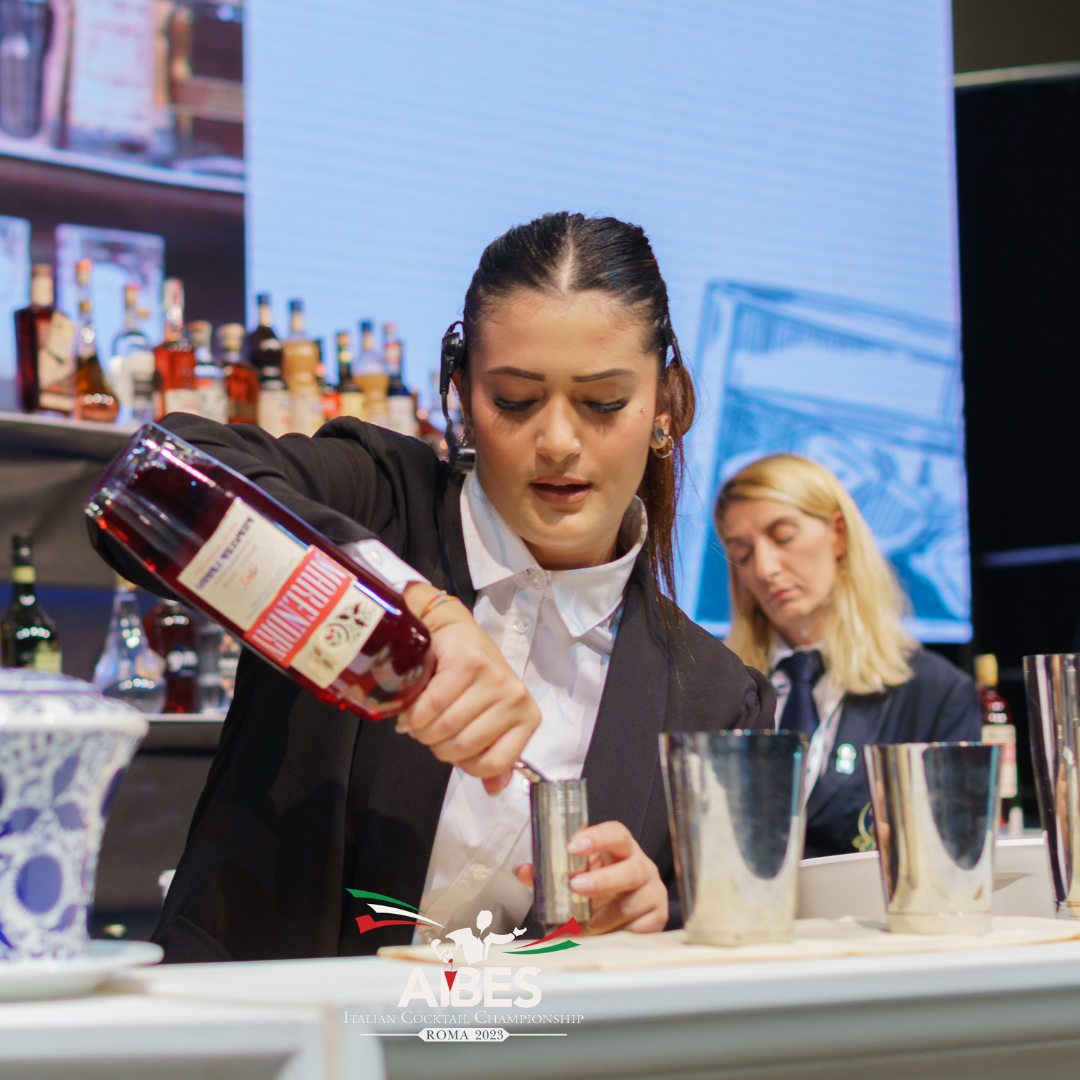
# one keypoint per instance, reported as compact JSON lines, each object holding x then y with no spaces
{"x":559,"y":809}
{"x":737,"y":820}
{"x":935,"y":815}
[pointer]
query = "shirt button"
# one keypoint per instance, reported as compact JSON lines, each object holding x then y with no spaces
{"x":479,"y":872}
{"x":536,"y":578}
{"x":521,"y":624}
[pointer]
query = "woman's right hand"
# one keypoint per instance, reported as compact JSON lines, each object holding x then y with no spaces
{"x":474,"y":712}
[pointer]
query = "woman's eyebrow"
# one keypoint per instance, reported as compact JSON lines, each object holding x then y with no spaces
{"x":518,"y":373}
{"x":603,"y":375}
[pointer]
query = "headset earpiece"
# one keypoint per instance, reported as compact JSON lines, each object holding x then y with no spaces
{"x":670,"y":340}
{"x":452,"y":361}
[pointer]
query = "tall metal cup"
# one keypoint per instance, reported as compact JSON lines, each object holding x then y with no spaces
{"x":737,"y":820}
{"x":559,"y":809}
{"x":935,"y":814}
{"x":1053,"y":693}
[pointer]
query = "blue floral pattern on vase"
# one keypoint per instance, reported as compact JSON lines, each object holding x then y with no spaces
{"x":56,"y":762}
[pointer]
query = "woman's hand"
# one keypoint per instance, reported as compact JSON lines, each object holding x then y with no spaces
{"x":622,"y":881}
{"x":475,"y":712}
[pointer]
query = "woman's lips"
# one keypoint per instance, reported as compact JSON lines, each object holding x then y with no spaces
{"x":561,"y":492}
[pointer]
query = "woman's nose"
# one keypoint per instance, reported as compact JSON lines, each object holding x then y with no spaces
{"x":766,"y":560}
{"x":557,"y":439}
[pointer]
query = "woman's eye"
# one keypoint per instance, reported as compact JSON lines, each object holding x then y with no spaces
{"x":513,"y":406}
{"x":739,"y":556}
{"x":607,"y":406}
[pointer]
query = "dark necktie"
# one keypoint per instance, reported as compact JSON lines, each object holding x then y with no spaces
{"x":803,"y":668}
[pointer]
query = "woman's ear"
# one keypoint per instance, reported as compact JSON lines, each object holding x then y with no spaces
{"x":662,"y":420}
{"x":839,"y":535}
{"x":466,"y":412}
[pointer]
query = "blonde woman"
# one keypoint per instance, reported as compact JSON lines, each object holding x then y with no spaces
{"x":816,"y":605}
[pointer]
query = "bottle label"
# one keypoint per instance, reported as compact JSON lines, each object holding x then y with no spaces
{"x":182,"y":401}
{"x":140,"y":367}
{"x":1005,"y":736}
{"x":275,"y":412}
{"x":295,"y":605}
{"x":23,"y":575}
{"x":56,"y":365}
{"x":47,"y":659}
{"x":213,"y":400}
{"x":182,"y":662}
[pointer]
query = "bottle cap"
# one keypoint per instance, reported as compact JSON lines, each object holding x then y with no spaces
{"x":83,"y":269}
{"x":343,"y":341}
{"x":367,"y":327}
{"x":200,"y":332}
{"x":231,"y":337}
{"x":263,"y":299}
{"x":131,"y":295}
{"x":22,"y":550}
{"x":986,"y":669}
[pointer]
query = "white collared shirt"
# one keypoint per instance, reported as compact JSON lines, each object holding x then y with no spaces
{"x":828,"y":699}
{"x":556,"y":630}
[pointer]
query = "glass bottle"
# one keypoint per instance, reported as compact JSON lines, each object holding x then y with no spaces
{"x":998,"y":728}
{"x":170,"y":631}
{"x":229,"y":651}
{"x":131,"y":368}
{"x":331,"y":399}
{"x":225,"y":547}
{"x":275,"y":408}
{"x":128,"y":668}
{"x":264,"y":349}
{"x":371,"y":376}
{"x":174,"y":357}
{"x":350,"y":396}
{"x":45,"y":350}
{"x":94,"y":397}
{"x":211,"y":691}
{"x":400,"y":404}
{"x":241,"y":377}
{"x":28,"y":636}
{"x":299,"y":366}
{"x":209,"y":374}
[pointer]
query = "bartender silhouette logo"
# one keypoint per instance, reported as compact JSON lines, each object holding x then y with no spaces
{"x":474,"y":947}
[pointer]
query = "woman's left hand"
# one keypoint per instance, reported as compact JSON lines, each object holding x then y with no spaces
{"x":622,"y":881}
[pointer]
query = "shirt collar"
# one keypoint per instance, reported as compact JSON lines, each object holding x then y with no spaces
{"x":584,"y":598}
{"x":779,"y":649}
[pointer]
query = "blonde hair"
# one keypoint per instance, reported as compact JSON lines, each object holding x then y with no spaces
{"x":864,"y":645}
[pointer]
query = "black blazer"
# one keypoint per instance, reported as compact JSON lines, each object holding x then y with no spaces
{"x":304,"y":800}
{"x":939,"y":704}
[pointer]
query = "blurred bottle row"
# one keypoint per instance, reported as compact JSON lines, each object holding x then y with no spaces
{"x":283,"y":385}
{"x":152,"y":81}
{"x":171,"y":660}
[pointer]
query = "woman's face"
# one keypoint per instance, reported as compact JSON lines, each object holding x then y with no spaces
{"x":787,"y":561}
{"x":562,"y":406}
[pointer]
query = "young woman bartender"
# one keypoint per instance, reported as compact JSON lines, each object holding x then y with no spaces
{"x":555,"y":633}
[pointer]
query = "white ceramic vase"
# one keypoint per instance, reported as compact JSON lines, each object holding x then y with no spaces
{"x":63,"y":752}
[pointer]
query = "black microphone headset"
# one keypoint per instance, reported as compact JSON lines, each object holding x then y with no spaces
{"x":453,"y":360}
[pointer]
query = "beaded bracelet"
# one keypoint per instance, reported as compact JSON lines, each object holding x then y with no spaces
{"x":439,"y":598}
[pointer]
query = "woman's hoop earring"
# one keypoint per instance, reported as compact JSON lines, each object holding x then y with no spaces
{"x":667,"y":446}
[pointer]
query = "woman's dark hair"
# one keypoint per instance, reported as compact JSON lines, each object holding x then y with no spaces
{"x":570,"y":253}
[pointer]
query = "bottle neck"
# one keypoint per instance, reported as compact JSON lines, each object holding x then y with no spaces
{"x":266,"y":316}
{"x":24,"y":582}
{"x":41,"y":291}
{"x":87,"y":335}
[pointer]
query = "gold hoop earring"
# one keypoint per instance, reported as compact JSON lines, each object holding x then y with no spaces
{"x":665,"y":449}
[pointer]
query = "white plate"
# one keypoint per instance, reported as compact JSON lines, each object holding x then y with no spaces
{"x":22,"y":980}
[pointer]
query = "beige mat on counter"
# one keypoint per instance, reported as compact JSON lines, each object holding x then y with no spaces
{"x":815,"y":939}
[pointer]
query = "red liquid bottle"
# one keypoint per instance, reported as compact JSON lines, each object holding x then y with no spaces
{"x":170,"y":630}
{"x":225,"y":547}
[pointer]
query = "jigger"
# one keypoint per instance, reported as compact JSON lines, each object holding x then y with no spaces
{"x":737,"y":820}
{"x":935,"y":815}
{"x":559,"y":809}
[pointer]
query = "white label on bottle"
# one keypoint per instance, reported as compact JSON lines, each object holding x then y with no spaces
{"x":306,"y":413}
{"x":402,"y":414}
{"x":213,"y":401}
{"x":243,"y":566}
{"x":274,"y":412}
{"x":1005,"y":736}
{"x":56,"y":365}
{"x":140,"y":368}
{"x":182,"y":401}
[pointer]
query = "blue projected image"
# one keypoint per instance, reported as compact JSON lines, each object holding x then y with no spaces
{"x":874,"y":395}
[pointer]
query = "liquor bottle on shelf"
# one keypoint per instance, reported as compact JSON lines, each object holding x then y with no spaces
{"x":350,"y":396}
{"x":131,"y":368}
{"x":170,"y":632}
{"x":174,"y":357}
{"x":264,"y":349}
{"x":371,"y":376}
{"x":299,"y":364}
{"x":27,"y":635}
{"x":225,"y":547}
{"x":998,"y":728}
{"x":331,"y":399}
{"x":209,"y":374}
{"x":128,"y":668}
{"x":94,"y":397}
{"x":211,"y":693}
{"x":241,"y":377}
{"x":45,"y":346}
{"x":400,"y":403}
{"x":275,"y":408}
